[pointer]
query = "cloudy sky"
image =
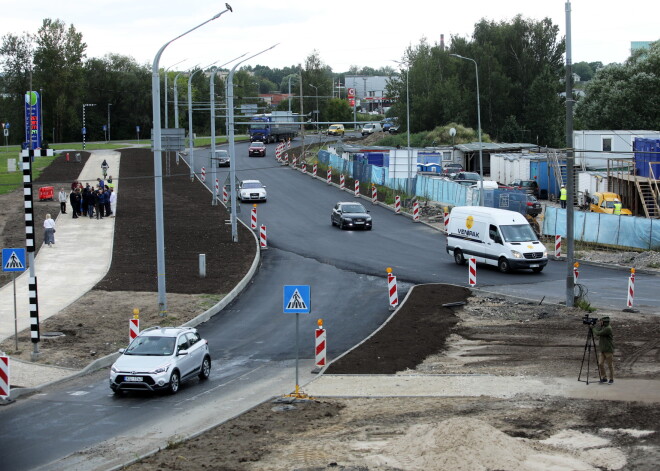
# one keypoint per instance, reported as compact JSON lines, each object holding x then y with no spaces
{"x":365,"y":33}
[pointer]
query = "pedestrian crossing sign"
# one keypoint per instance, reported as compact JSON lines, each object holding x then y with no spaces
{"x":13,"y":259}
{"x":297,"y":299}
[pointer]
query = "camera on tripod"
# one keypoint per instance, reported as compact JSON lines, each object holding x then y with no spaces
{"x":586,"y":320}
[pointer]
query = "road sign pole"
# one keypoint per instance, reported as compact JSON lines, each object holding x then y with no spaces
{"x":13,"y":280}
{"x":297,"y":345}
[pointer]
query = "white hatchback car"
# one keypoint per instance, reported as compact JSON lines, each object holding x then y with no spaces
{"x":160,"y":359}
{"x":252,"y":190}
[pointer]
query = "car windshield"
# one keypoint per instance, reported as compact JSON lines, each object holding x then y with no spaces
{"x":258,"y":144}
{"x":353,"y":208}
{"x":222,"y":153}
{"x":151,"y":346}
{"x":470,"y":176}
{"x":252,"y":185}
{"x":517,"y":233}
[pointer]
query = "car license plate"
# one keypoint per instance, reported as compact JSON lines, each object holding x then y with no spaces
{"x":134,"y":379}
{"x":533,"y":265}
{"x":359,"y":222}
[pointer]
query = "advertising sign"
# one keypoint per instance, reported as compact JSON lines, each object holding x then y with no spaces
{"x":33,"y":119}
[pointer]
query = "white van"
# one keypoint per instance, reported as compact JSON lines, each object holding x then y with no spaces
{"x":371,"y":128}
{"x":495,"y":237}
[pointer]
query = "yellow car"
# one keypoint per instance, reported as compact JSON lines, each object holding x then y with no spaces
{"x":336,"y":130}
{"x":604,"y":203}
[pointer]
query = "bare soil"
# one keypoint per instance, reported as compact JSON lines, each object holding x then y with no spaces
{"x":487,"y":335}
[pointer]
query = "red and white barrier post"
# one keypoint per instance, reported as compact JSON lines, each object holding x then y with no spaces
{"x":557,"y":246}
{"x":4,"y":376}
{"x":357,"y":188}
{"x":225,"y":196}
{"x":397,"y":204}
{"x":576,"y":273}
{"x":392,"y":290}
{"x":203,"y":174}
{"x":294,"y":161}
{"x":263,"y":243}
{"x":631,"y":288}
{"x":320,"y":347}
{"x":416,"y":211}
{"x":342,"y":181}
{"x":253,"y":217}
{"x":286,"y":158}
{"x":314,"y":170}
{"x":304,"y":167}
{"x":472,"y":271}
{"x":217,"y":190}
{"x":134,"y":325}
{"x":446,"y":219}
{"x":374,"y":194}
{"x":328,"y":176}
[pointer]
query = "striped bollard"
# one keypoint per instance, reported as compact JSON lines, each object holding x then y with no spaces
{"x":320,"y":346}
{"x":557,"y":246}
{"x":446,"y":219}
{"x":416,"y":211}
{"x":341,"y":181}
{"x":357,"y":188}
{"x":4,"y":376}
{"x":314,"y":169}
{"x":374,"y":194}
{"x":472,"y":271}
{"x":631,"y":288}
{"x":286,"y":159}
{"x":203,"y":174}
{"x":397,"y":204}
{"x":392,"y":290}
{"x":294,"y":161}
{"x":217,"y":188}
{"x":328,"y":176}
{"x":576,"y":273}
{"x":225,"y":196}
{"x":263,"y":243}
{"x":288,"y":143}
{"x":133,"y":328}
{"x":304,"y":167}
{"x":253,"y":217}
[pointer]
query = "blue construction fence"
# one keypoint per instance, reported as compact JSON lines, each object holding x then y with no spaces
{"x":607,"y":229}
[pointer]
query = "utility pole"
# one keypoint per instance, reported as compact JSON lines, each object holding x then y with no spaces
{"x":570,"y":184}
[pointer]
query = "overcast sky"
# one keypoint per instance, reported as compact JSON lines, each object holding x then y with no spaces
{"x":364,"y":33}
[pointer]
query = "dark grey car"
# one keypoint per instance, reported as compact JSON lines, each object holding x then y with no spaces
{"x":350,"y":215}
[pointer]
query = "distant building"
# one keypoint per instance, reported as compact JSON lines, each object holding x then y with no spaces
{"x":369,"y":92}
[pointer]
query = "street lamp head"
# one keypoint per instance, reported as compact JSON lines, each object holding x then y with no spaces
{"x":228,"y":7}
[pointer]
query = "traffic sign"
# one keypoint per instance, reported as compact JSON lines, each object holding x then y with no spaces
{"x":297,"y":299}
{"x":13,"y":259}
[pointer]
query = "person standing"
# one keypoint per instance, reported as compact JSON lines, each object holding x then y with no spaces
{"x":75,"y":202}
{"x":49,"y":231}
{"x":113,"y":202}
{"x":104,"y":168}
{"x":605,"y":348}
{"x":98,"y":203}
{"x":563,"y":196}
{"x":106,"y":201}
{"x":62,"y":198}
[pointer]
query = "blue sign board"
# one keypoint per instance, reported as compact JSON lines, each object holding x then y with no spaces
{"x":297,"y":299}
{"x":13,"y":259}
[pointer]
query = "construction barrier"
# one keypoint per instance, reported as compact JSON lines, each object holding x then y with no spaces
{"x":314,"y":169}
{"x":342,"y":181}
{"x":225,"y":196}
{"x":446,"y":219}
{"x":631,"y":288}
{"x":392,"y":289}
{"x":294,"y":161}
{"x":217,"y":188}
{"x":557,"y":246}
{"x":286,"y":159}
{"x":304,"y":167}
{"x":397,"y":204}
{"x":320,"y":349}
{"x":328,"y":176}
{"x":472,"y":271}
{"x":357,"y":188}
{"x":133,"y":329}
{"x":374,"y":194}
{"x":576,"y":273}
{"x":4,"y":376}
{"x":416,"y":211}
{"x":263,"y":243}
{"x":253,"y":217}
{"x":203,"y":174}
{"x":46,"y":193}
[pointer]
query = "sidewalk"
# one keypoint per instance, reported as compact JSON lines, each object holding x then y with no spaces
{"x":78,"y":260}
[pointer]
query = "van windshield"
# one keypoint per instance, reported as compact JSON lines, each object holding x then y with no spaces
{"x":518,"y":233}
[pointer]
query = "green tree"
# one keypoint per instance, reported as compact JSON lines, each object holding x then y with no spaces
{"x":338,"y":110}
{"x":16,"y":62}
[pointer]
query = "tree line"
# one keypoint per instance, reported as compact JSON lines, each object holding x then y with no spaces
{"x":520,"y":72}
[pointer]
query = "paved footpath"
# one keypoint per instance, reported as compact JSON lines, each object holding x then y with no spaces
{"x":78,"y":260}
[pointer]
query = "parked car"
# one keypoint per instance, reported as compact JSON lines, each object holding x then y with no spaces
{"x":252,"y":190}
{"x":467,"y":176}
{"x":530,"y":187}
{"x":350,"y":215}
{"x":533,"y":206}
{"x":336,"y":130}
{"x":222,"y":157}
{"x":451,"y":168}
{"x":257,"y":149}
{"x":371,"y":128}
{"x":387,"y":123}
{"x":393,"y":129}
{"x":160,"y":359}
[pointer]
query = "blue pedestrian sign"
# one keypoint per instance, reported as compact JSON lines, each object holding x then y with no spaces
{"x":297,"y":299}
{"x":13,"y":259}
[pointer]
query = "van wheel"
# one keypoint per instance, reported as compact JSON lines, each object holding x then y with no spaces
{"x":537,"y":269}
{"x":458,"y":257}
{"x":503,"y":265}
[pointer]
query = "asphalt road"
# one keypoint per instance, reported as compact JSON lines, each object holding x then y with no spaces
{"x":82,"y":424}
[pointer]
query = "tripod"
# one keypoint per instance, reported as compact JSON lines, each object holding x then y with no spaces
{"x":591,"y":342}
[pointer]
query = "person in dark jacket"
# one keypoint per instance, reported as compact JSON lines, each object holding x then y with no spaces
{"x":75,"y":202}
{"x":605,"y":348}
{"x":99,"y":203}
{"x":106,"y":201}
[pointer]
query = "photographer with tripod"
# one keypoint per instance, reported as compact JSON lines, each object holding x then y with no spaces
{"x":605,"y":348}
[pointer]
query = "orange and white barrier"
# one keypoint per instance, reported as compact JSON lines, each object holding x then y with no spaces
{"x":314,"y":169}
{"x":253,"y":217}
{"x":357,"y":188}
{"x":4,"y":376}
{"x":416,"y":211}
{"x":631,"y":288}
{"x":203,"y":174}
{"x":392,"y":289}
{"x":557,"y":246}
{"x":320,"y":347}
{"x":576,"y":273}
{"x":446,"y":220}
{"x":342,"y":181}
{"x":397,"y":204}
{"x":133,"y":328}
{"x":328,"y":176}
{"x":472,"y":271}
{"x":263,"y":243}
{"x":374,"y":194}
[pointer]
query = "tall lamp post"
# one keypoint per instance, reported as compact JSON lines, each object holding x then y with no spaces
{"x":290,"y":77}
{"x":316,"y":93}
{"x":109,"y":138}
{"x":481,"y":158}
{"x":409,"y":189}
{"x":158,"y":165}
{"x":167,"y":124}
{"x":84,"y":129}
{"x":230,"y":136}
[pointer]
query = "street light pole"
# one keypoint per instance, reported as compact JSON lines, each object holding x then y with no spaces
{"x":230,"y":136}
{"x":316,"y":93}
{"x":109,"y":138}
{"x":290,"y":77}
{"x":176,"y":101}
{"x":481,"y":159}
{"x":167,"y":125}
{"x":409,"y":185}
{"x":158,"y":166}
{"x":84,"y":130}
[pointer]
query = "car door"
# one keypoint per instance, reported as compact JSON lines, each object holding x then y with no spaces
{"x":336,"y":214}
{"x":195,"y":349}
{"x":183,"y":361}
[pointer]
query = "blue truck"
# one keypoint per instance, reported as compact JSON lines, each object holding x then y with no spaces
{"x":274,"y":127}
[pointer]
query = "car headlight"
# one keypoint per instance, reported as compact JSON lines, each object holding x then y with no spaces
{"x":516,"y":254}
{"x":162,"y":369}
{"x":368,"y":219}
{"x":347,"y":219}
{"x":545,"y":253}
{"x":114,"y":370}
